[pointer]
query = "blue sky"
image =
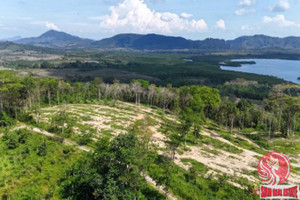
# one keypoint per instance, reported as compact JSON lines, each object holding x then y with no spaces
{"x":194,"y":19}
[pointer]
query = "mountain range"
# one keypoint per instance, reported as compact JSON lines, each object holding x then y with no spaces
{"x":61,"y":40}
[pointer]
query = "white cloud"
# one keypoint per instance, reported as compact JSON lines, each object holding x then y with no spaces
{"x":51,"y":26}
{"x":247,"y":2}
{"x":135,"y":16}
{"x":279,"y":20}
{"x":186,"y":15}
{"x":46,"y":24}
{"x":282,"y":6}
{"x":243,"y":11}
{"x":221,"y":24}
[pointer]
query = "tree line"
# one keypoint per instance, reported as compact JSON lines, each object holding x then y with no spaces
{"x":193,"y":104}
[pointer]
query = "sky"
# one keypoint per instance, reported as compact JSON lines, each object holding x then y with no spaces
{"x":192,"y":19}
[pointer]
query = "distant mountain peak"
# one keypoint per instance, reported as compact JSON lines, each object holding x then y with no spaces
{"x":52,"y":32}
{"x":57,"y":39}
{"x":59,"y":35}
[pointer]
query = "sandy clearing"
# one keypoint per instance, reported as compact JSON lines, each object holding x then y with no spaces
{"x":104,"y":117}
{"x":232,"y":164}
{"x":223,"y":162}
{"x":239,"y":165}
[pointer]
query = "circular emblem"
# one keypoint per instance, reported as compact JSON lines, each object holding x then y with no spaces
{"x":274,"y":168}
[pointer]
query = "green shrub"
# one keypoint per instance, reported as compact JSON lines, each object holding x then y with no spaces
{"x":15,"y":138}
{"x":42,"y":149}
{"x":84,"y":139}
{"x":6,"y":120}
{"x":25,"y":117}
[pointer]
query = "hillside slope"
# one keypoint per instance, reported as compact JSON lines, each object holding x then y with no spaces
{"x":236,"y":156}
{"x":213,"y":164}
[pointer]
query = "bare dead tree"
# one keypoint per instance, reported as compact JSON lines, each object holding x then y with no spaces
{"x":151,"y":93}
{"x":137,"y":89}
{"x":167,"y":96}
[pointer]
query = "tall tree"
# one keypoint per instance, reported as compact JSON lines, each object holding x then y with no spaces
{"x":192,"y":109}
{"x":49,"y":85}
{"x":232,"y":113}
{"x":137,"y":89}
{"x":98,"y":84}
{"x":291,"y":108}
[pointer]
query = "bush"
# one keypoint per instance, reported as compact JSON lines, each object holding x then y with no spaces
{"x":68,"y":149}
{"x":42,"y":149}
{"x":12,"y":143}
{"x":15,"y":138}
{"x":6,"y":120}
{"x":25,"y":118}
{"x":84,"y":139}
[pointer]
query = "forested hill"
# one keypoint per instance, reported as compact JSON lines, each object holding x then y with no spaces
{"x":56,"y":39}
{"x":157,"y":42}
{"x":9,"y":47}
{"x":150,"y":41}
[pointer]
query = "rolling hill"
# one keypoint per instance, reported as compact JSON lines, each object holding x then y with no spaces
{"x":150,"y":42}
{"x":56,"y":39}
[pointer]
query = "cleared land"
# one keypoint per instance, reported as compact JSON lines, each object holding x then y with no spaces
{"x":236,"y":156}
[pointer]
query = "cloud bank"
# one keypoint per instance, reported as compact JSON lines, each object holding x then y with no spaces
{"x":136,"y":16}
{"x":280,"y":21}
{"x":282,"y":6}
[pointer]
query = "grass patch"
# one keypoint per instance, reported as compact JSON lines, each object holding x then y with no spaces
{"x":212,"y":151}
{"x":28,"y":158}
{"x":119,"y":127}
{"x":199,"y":167}
{"x":107,"y":133}
{"x":186,"y":185}
{"x":220,"y":145}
